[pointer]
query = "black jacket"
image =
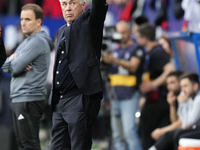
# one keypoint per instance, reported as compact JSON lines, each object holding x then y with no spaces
{"x":2,"y":52}
{"x":84,"y":49}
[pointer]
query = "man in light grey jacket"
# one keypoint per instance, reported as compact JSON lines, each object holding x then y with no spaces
{"x":28,"y":67}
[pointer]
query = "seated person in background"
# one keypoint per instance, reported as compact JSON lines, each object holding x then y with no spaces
{"x":2,"y":50}
{"x":188,"y":112}
{"x":174,"y":89}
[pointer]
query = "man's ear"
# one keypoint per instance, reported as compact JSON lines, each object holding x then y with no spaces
{"x":39,"y":22}
{"x":83,"y":6}
{"x":196,"y":86}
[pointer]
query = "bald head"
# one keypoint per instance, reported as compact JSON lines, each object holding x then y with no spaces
{"x":123,"y":25}
{"x":123,"y":28}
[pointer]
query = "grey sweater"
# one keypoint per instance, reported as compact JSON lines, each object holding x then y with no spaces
{"x":29,"y":85}
{"x":189,"y":111}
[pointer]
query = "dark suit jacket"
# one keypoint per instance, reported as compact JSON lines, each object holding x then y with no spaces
{"x":2,"y":52}
{"x":84,"y":49}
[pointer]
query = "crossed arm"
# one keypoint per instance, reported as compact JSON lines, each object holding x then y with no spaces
{"x":20,"y":62}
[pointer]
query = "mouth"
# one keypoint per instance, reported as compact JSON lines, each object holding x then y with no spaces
{"x":68,"y":15}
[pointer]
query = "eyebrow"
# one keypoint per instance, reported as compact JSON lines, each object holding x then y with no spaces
{"x":27,"y":18}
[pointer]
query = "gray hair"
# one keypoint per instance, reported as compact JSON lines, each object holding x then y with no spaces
{"x":81,"y":1}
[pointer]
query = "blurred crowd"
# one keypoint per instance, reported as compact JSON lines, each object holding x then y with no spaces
{"x":51,"y":8}
{"x":146,"y":99}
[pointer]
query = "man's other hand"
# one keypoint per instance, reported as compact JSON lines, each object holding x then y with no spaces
{"x":108,"y":58}
{"x":156,"y":134}
{"x":171,"y":98}
{"x":29,"y":67}
{"x":13,"y":56}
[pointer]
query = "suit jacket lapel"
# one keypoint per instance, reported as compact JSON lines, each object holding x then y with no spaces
{"x":67,"y":39}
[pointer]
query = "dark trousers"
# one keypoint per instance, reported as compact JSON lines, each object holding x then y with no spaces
{"x":170,"y":139}
{"x":26,"y":120}
{"x":73,"y":120}
{"x":153,"y":115}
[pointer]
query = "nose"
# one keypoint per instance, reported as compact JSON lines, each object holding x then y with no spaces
{"x":22,"y":22}
{"x":68,"y":7}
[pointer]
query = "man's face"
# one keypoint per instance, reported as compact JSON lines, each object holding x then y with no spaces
{"x":124,"y":31}
{"x":188,"y":87}
{"x":72,"y":9}
{"x":140,"y":39}
{"x":29,"y":24}
{"x":173,"y":85}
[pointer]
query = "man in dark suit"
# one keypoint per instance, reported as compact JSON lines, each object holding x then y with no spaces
{"x":77,"y":86}
{"x":2,"y":51}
